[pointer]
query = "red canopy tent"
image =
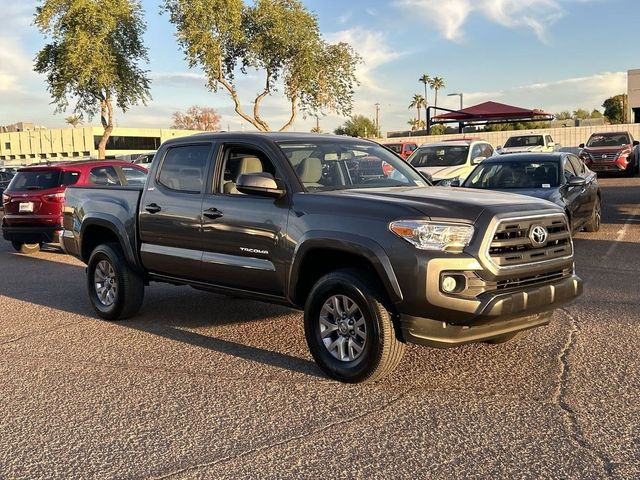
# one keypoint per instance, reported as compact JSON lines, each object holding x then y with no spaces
{"x":487,"y":113}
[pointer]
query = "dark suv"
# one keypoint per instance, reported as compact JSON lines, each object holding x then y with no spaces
{"x":33,"y":200}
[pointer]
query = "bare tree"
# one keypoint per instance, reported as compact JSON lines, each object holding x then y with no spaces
{"x":197,"y":118}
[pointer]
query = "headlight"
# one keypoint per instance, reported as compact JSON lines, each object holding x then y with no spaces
{"x":446,"y":237}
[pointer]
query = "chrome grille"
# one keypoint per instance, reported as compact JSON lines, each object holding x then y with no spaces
{"x":604,"y":157}
{"x":512,"y":245}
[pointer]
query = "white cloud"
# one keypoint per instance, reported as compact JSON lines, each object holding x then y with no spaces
{"x":449,"y":17}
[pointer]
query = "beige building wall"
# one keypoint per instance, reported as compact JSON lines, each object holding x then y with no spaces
{"x":59,"y":144}
{"x":633,"y":91}
{"x":566,"y":137}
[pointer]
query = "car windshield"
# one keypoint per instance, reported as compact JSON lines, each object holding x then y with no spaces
{"x":608,"y":140}
{"x":525,"y":141}
{"x":439,"y":156}
{"x":396,"y":147}
{"x":506,"y":175}
{"x":329,"y":165}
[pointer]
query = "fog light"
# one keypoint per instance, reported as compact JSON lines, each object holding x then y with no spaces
{"x":449,"y":284}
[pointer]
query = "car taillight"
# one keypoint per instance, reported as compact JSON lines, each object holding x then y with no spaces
{"x":54,"y":197}
{"x":5,"y":198}
{"x":387,"y":169}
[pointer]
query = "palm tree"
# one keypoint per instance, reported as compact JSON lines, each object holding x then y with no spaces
{"x":417,"y":102}
{"x":73,"y":120}
{"x":426,"y":79}
{"x":416,"y":124}
{"x":436,"y":84}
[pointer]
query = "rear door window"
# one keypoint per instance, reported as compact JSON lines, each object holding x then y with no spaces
{"x":106,"y":175}
{"x":69,"y":178}
{"x":183,"y":168}
{"x":134,"y":175}
{"x":35,"y":180}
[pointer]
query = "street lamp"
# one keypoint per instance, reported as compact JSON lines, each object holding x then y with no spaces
{"x":456,"y":95}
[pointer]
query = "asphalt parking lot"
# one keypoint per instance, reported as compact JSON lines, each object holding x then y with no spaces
{"x":205,"y":386}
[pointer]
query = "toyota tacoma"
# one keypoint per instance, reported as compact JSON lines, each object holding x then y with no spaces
{"x":373,"y":262}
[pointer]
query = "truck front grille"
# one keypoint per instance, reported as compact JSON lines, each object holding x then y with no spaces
{"x":533,"y":279}
{"x":529,"y":240}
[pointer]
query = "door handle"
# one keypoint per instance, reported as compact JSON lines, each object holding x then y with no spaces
{"x":153,"y":208}
{"x":212,"y":213}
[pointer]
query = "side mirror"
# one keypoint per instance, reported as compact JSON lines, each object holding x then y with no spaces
{"x":581,"y":145}
{"x":499,"y":147}
{"x":426,"y":176}
{"x":576,"y":181}
{"x":477,"y":160}
{"x":261,"y":184}
{"x":636,"y":143}
{"x":455,"y":183}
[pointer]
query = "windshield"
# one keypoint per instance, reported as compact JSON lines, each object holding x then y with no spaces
{"x":526,"y":141}
{"x":331,"y":165}
{"x":506,"y":175}
{"x":439,"y":156}
{"x":608,"y":140}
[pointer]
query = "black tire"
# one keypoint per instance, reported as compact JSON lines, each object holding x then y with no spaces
{"x":129,"y":291}
{"x":593,"y":225}
{"x":507,"y":337}
{"x":381,"y":349}
{"x":26,"y":248}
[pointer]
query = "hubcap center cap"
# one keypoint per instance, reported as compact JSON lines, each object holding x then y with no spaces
{"x":343,"y":327}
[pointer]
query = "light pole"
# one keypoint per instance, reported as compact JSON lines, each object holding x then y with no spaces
{"x":456,"y":95}
{"x":377,"y":105}
{"x":426,"y":80}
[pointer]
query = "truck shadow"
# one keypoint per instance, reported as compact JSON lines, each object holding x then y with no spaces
{"x":170,"y":313}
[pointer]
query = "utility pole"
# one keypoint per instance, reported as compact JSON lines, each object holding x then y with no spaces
{"x":378,"y":134}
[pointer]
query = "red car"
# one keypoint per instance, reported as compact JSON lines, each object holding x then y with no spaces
{"x":613,"y":152}
{"x":404,"y":149}
{"x":34,"y":199}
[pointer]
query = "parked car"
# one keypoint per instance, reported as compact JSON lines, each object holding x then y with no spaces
{"x":561,"y":178}
{"x":5,"y":178}
{"x":144,"y":158}
{"x":611,"y":152}
{"x":404,"y":149}
{"x":373,"y":263}
{"x":529,"y":143}
{"x":444,"y":162}
{"x":33,"y":200}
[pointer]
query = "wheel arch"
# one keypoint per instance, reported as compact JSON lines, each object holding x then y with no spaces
{"x":100,"y":230}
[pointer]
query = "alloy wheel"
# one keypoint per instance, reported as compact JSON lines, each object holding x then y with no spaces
{"x":342,"y":328}
{"x":106,"y":283}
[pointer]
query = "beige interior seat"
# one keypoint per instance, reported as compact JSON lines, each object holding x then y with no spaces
{"x":310,"y":172}
{"x":245,"y":165}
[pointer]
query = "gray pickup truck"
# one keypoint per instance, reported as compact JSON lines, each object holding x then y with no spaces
{"x":374,"y":262}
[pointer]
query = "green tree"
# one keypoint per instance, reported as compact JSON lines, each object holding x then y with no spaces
{"x":73,"y":120}
{"x":197,"y":118}
{"x":564,"y":115}
{"x":438,"y":129}
{"x":615,"y":108}
{"x":279,"y":38}
{"x":436,"y":84}
{"x":580,"y":114}
{"x":418,"y":102}
{"x":595,"y":113}
{"x":416,"y":124}
{"x":357,"y":126}
{"x":93,"y":57}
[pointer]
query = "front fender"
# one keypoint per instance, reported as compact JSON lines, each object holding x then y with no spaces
{"x":350,"y":243}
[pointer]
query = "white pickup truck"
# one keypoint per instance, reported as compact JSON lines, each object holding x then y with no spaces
{"x":529,"y":143}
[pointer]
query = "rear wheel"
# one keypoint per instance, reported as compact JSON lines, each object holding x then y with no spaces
{"x":593,"y":225}
{"x":350,"y":333}
{"x":26,"y":248}
{"x":115,"y":290}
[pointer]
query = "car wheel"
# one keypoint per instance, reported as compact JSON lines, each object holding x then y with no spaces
{"x":504,"y":338}
{"x":593,"y":225}
{"x":26,"y":248}
{"x":350,"y":333}
{"x":115,"y":290}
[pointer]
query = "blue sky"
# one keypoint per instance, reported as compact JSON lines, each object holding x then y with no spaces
{"x":549,"y":54}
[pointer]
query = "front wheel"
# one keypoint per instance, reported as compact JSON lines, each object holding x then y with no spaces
{"x":350,"y":333}
{"x":115,"y":290}
{"x":26,"y":248}
{"x":593,"y":225}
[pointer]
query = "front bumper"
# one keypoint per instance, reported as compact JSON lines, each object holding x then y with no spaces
{"x":32,"y":234}
{"x":496,"y":314}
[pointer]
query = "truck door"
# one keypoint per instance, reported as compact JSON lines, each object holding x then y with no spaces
{"x":170,"y":212}
{"x":243,"y":236}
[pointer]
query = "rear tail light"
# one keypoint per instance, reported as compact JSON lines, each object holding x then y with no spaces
{"x":5,"y":198}
{"x":387,"y":169}
{"x":55,"y":197}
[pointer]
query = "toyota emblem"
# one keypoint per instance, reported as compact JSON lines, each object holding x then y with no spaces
{"x":538,"y":236}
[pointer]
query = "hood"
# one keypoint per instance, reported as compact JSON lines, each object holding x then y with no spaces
{"x":549,"y":194}
{"x":440,"y":173}
{"x":451,"y":203}
{"x":533,"y":148}
{"x":602,"y":150}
